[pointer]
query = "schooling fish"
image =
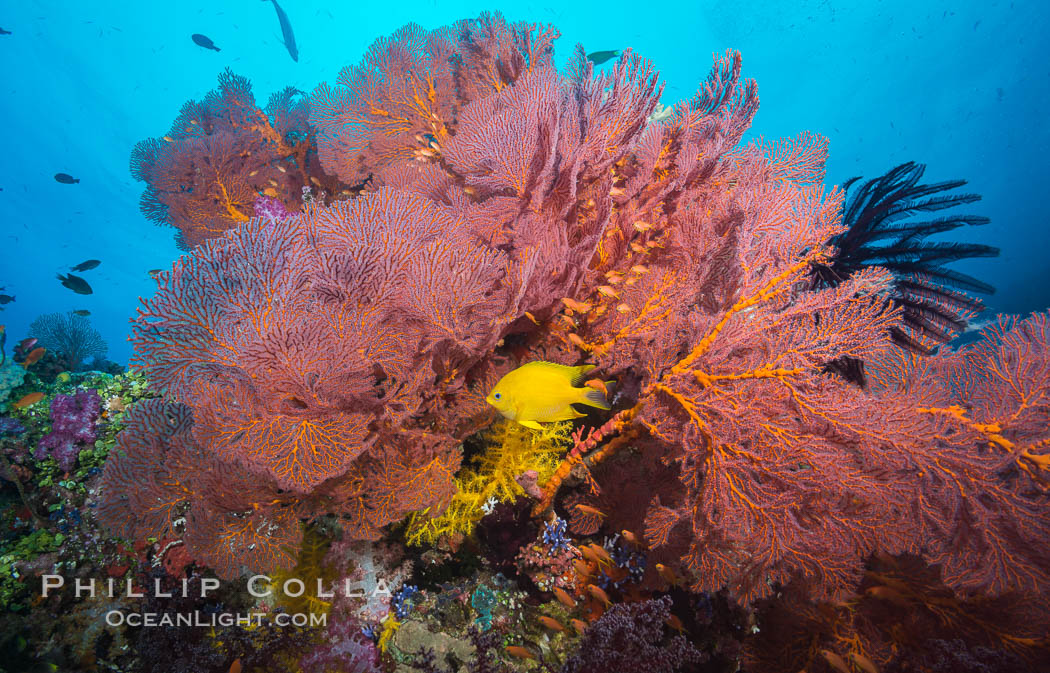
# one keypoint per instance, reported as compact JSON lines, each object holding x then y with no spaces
{"x":203,"y":41}
{"x":543,"y":392}
{"x":286,"y":31}
{"x":85,"y":266}
{"x":82,"y":312}
{"x":66,"y":178}
{"x":75,"y":283}
{"x":4,"y":32}
{"x":599,"y":57}
{"x":6,"y":299}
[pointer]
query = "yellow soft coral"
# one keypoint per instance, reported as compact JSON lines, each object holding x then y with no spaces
{"x":309,"y":569}
{"x":513,"y":450}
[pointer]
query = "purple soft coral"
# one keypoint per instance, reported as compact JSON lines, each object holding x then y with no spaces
{"x":73,"y":427}
{"x":270,"y":209}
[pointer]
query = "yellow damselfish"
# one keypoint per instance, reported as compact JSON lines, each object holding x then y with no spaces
{"x":544,"y":392}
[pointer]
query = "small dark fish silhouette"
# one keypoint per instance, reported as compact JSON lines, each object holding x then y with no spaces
{"x":203,"y":41}
{"x":85,"y":266}
{"x":6,"y":299}
{"x":153,"y":273}
{"x":82,"y":312}
{"x":75,"y":283}
{"x":66,"y":178}
{"x":599,"y":57}
{"x":4,"y":32}
{"x":286,"y":31}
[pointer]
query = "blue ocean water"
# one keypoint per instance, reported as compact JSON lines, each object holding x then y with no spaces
{"x":962,"y":87}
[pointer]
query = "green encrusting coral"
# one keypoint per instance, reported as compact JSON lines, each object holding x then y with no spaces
{"x":512,"y":451}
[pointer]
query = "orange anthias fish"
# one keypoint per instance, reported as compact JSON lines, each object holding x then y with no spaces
{"x":600,"y":553}
{"x":593,"y":511}
{"x":589,"y":554}
{"x":582,"y":569}
{"x":31,"y":398}
{"x":579,"y":625}
{"x":563,"y":597}
{"x":675,"y":623}
{"x":863,"y":663}
{"x":599,"y":595}
{"x":632,"y":538}
{"x":34,"y":357}
{"x":835,"y":661}
{"x":666,"y":573}
{"x":235,"y":667}
{"x":520,"y":652}
{"x":552,"y":624}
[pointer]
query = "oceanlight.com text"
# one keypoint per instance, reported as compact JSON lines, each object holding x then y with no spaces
{"x":197,"y":618}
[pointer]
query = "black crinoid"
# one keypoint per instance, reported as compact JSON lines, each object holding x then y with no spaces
{"x":886,"y":228}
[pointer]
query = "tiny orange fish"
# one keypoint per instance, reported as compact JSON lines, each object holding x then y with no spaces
{"x":599,"y":594}
{"x":675,"y":623}
{"x":563,"y":597}
{"x":520,"y":652}
{"x":235,"y":667}
{"x":863,"y":663}
{"x":31,"y":398}
{"x":666,"y":573}
{"x":601,"y":553}
{"x":552,"y":624}
{"x":582,"y":569}
{"x":577,"y":306}
{"x":641,"y":226}
{"x":587,"y":509}
{"x":577,"y":341}
{"x":579,"y":625}
{"x":598,"y":384}
{"x":836,"y":662}
{"x":888,"y":594}
{"x":589,"y":554}
{"x":639,"y":269}
{"x":608,"y":291}
{"x":632,"y":538}
{"x":34,"y":357}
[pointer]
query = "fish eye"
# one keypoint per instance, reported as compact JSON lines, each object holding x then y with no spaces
{"x":497,"y":396}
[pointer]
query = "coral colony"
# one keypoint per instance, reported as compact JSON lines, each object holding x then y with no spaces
{"x":794,"y":465}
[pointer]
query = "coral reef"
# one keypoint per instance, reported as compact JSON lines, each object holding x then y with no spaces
{"x":309,"y":395}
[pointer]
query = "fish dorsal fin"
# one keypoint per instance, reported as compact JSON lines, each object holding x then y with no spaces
{"x":581,"y":374}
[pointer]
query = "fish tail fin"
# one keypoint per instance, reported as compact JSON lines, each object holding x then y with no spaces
{"x":594,"y":398}
{"x":581,"y":372}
